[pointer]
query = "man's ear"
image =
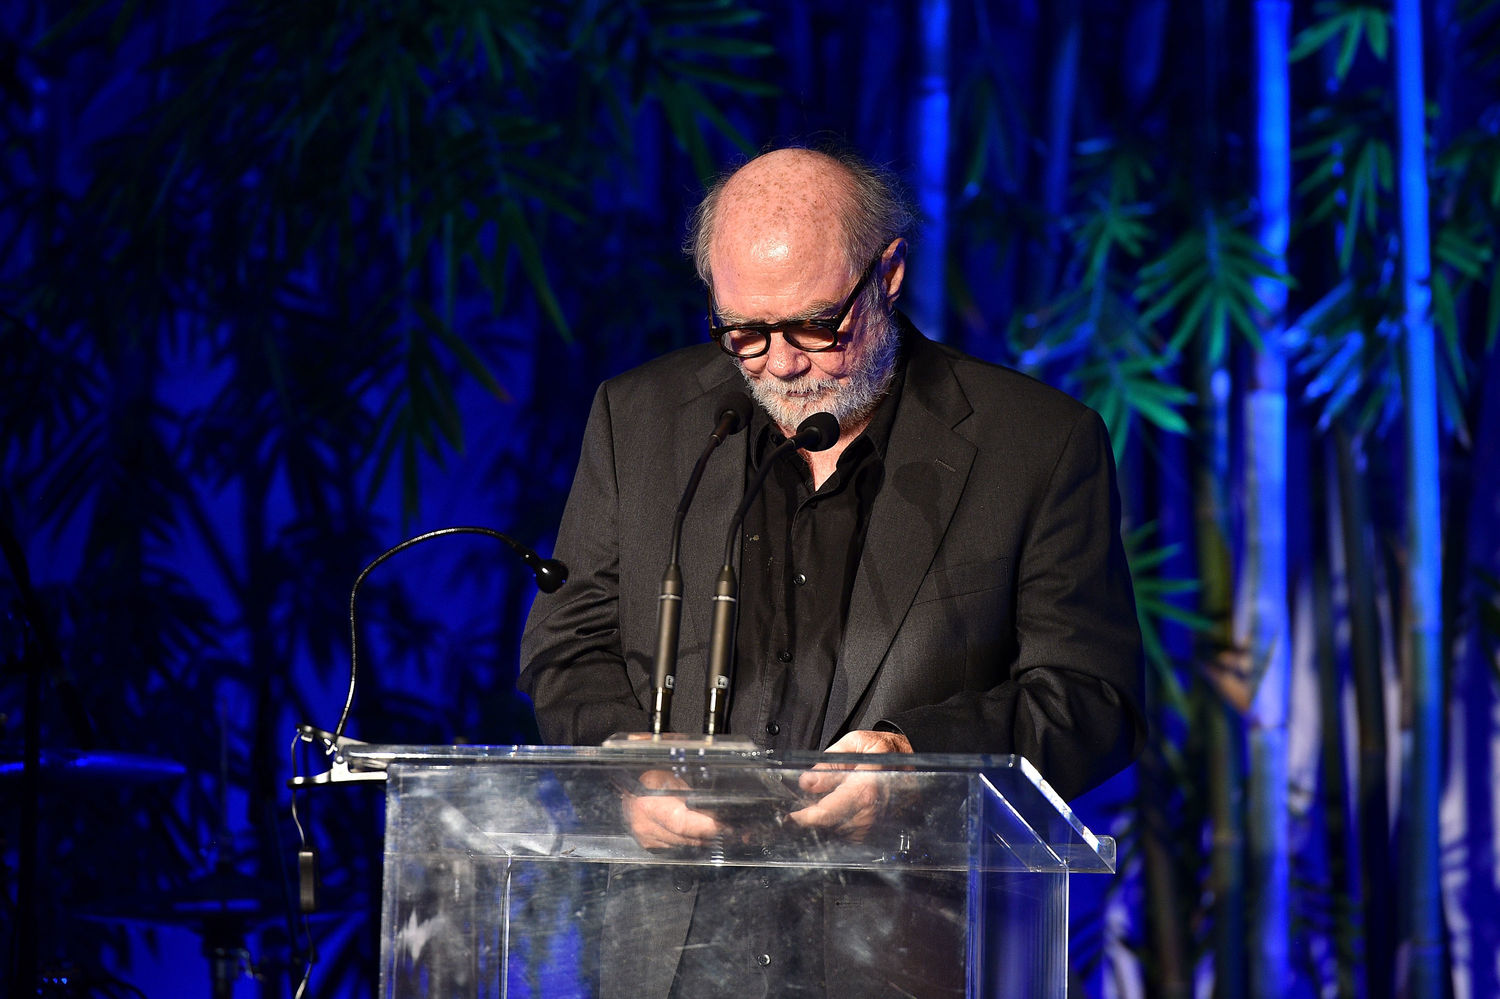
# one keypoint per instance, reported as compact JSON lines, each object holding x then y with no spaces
{"x":892,"y":272}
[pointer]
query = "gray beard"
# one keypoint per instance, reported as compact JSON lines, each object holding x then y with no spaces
{"x":790,"y":402}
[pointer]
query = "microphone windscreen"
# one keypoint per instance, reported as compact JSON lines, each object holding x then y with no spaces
{"x":821,"y":432}
{"x":551,"y":573}
{"x":739,"y":404}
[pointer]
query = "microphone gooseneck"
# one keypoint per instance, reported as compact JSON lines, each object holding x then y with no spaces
{"x":733,"y":416}
{"x":550,"y":574}
{"x":818,"y":432}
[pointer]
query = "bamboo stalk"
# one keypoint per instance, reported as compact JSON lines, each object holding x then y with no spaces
{"x":1336,"y":795}
{"x":1262,"y":623}
{"x":1422,"y":638}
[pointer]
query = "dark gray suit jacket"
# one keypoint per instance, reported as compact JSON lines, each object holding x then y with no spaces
{"x":992,"y":611}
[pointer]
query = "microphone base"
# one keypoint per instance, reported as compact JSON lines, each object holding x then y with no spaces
{"x":680,"y":742}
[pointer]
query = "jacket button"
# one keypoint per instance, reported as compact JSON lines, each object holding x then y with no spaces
{"x":799,"y":580}
{"x":784,"y":656}
{"x":772,"y":728}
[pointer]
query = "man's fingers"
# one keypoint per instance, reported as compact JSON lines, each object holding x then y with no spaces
{"x":822,"y":778}
{"x":852,"y":807}
{"x":655,"y":827}
{"x":658,"y":821}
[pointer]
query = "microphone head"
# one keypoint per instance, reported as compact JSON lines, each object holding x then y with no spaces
{"x":818,"y":432}
{"x":550,"y":574}
{"x":737,"y":405}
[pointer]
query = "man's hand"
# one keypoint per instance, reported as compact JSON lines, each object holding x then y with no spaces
{"x":852,"y":801}
{"x":662,"y":821}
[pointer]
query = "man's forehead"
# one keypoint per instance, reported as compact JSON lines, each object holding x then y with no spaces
{"x":782,"y":241}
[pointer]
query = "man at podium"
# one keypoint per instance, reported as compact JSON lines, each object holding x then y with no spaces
{"x":946,"y":576}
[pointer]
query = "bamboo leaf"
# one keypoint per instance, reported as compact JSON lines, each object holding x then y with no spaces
{"x":1312,"y":38}
{"x":1377,"y":29}
{"x":1155,"y":408}
{"x":474,"y":364}
{"x":729,"y":79}
{"x":518,"y":234}
{"x":724,"y":47}
{"x":1348,"y":47}
{"x":1487,"y":605}
{"x":1492,"y":313}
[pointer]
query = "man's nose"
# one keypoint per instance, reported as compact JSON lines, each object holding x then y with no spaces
{"x":785,"y":360}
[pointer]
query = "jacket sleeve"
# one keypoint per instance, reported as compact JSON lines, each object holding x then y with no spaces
{"x":1071,"y":700}
{"x":573,"y":666}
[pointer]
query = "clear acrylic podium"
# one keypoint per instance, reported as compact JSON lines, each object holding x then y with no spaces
{"x":509,"y":872}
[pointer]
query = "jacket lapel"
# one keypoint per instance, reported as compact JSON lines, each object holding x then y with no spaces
{"x":926,"y":469}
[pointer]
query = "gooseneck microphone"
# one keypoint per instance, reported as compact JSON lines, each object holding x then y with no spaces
{"x":550,"y":574}
{"x":733,"y":413}
{"x":818,"y":432}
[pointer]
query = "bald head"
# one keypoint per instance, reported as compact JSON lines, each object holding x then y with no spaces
{"x":781,"y":209}
{"x":791,"y":201}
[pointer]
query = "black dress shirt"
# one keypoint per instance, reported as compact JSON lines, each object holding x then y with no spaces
{"x":801,"y":550}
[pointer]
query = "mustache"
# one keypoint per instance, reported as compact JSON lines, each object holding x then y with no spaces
{"x":804,"y":386}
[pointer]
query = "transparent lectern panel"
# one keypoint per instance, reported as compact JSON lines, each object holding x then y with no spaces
{"x":509,"y":871}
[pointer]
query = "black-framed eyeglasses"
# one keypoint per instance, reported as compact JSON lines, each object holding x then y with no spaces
{"x":747,"y":340}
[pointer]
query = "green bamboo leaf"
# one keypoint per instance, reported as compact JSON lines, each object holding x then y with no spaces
{"x":385,"y":418}
{"x":716,"y":45}
{"x":1240,"y":318}
{"x":1312,"y":38}
{"x":712,"y":14}
{"x":411,"y":479}
{"x":1443,"y":311}
{"x":1110,"y":407}
{"x":1451,"y":393}
{"x":1377,"y":400}
{"x":518,"y":234}
{"x":442,"y":404}
{"x":1174,"y":587}
{"x":1487,"y":604}
{"x":1218,"y":331}
{"x":1455,"y":249}
{"x":1377,"y":29}
{"x":482,"y":32}
{"x":1156,"y":411}
{"x":708,"y":109}
{"x":1178,"y":286}
{"x":474,"y":364}
{"x":1492,"y":313}
{"x":1348,"y":47}
{"x":1144,"y":561}
{"x":729,"y":79}
{"x":1385,"y":165}
{"x":1452,"y":343}
{"x":364,"y":141}
{"x":1161,"y":665}
{"x":983,"y":130}
{"x":1191,"y":321}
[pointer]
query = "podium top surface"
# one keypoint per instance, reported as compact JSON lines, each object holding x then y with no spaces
{"x":955,"y":803}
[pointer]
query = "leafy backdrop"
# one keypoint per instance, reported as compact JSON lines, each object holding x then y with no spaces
{"x":286,"y":282}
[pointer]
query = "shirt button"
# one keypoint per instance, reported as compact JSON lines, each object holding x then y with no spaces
{"x":772,"y":728}
{"x":799,"y":580}
{"x":784,"y":656}
{"x":764,"y":960}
